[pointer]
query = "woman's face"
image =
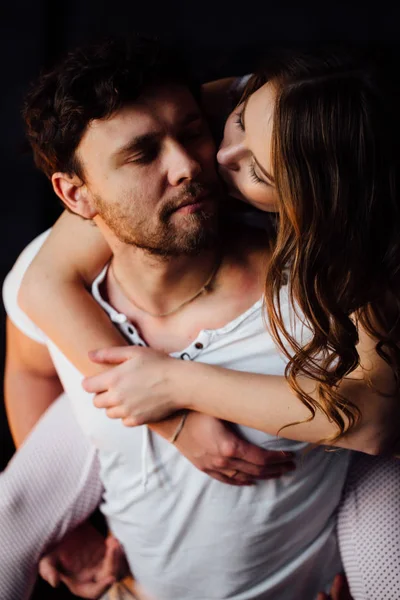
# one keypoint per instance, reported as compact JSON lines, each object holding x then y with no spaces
{"x":244,"y":156}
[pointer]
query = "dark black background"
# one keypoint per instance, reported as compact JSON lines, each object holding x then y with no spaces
{"x":220,"y":38}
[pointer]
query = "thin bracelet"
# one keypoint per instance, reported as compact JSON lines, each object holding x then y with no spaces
{"x":179,"y":427}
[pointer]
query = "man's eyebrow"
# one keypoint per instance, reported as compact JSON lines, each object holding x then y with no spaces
{"x":263,"y":171}
{"x":141,"y":142}
{"x":191,"y":118}
{"x":136,"y":144}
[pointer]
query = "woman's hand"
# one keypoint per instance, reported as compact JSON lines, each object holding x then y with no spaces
{"x":138,"y":389}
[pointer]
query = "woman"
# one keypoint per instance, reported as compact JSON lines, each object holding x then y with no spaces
{"x":330,"y":170}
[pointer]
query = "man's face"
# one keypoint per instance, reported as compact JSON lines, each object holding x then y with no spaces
{"x":151,"y":174}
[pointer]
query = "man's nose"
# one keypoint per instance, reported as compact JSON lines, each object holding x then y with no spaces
{"x":229,"y":155}
{"x":182,"y":165}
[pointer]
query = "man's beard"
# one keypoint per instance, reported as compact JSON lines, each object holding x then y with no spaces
{"x":194,"y":233}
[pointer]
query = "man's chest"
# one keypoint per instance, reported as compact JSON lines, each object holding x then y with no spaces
{"x":178,"y":332}
{"x":173,"y":331}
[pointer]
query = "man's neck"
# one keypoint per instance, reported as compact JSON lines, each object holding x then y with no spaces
{"x":166,"y":283}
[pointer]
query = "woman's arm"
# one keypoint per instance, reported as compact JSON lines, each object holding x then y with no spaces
{"x":150,"y":386}
{"x":76,"y":323}
{"x":54,"y":294}
{"x":266,"y":402}
{"x":272,"y":404}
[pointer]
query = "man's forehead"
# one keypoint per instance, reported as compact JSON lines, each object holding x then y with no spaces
{"x":158,"y":106}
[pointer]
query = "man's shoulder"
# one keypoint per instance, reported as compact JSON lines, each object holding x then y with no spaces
{"x":12,"y":284}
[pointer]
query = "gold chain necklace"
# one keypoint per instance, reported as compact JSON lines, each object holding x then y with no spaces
{"x":204,"y":288}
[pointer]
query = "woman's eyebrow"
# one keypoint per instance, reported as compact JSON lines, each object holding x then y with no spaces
{"x":263,"y":171}
{"x":243,"y":111}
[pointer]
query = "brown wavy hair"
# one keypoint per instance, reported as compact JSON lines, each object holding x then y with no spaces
{"x":336,"y":163}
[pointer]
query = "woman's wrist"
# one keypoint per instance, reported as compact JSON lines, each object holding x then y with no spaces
{"x":185,"y":379}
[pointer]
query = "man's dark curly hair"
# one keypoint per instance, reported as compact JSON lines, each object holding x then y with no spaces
{"x":92,"y":83}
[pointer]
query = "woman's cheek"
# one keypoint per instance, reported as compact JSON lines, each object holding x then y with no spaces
{"x":262,"y":197}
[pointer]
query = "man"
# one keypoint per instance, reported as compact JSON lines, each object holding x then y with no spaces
{"x":122,"y":138}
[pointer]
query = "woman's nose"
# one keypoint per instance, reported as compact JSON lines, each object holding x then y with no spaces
{"x":229,"y":155}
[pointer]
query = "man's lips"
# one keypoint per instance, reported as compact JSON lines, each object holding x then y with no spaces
{"x":194,"y":204}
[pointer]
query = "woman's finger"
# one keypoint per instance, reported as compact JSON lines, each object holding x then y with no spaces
{"x":113,"y":355}
{"x":97,"y":383}
{"x":130,"y":422}
{"x":116,"y":412}
{"x":104,"y":400}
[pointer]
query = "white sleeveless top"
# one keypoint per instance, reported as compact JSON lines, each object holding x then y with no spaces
{"x":190,"y":537}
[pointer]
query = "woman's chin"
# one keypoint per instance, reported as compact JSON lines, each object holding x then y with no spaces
{"x":237,"y":195}
{"x":265,"y":207}
{"x":269,"y":207}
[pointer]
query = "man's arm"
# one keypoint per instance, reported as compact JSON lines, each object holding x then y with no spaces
{"x":31,"y":382}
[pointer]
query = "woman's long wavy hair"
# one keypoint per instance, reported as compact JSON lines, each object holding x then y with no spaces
{"x":336,"y":163}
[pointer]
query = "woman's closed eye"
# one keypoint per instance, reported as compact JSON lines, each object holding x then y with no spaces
{"x":255,"y":177}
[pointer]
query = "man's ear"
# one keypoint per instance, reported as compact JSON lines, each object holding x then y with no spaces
{"x":74,"y":193}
